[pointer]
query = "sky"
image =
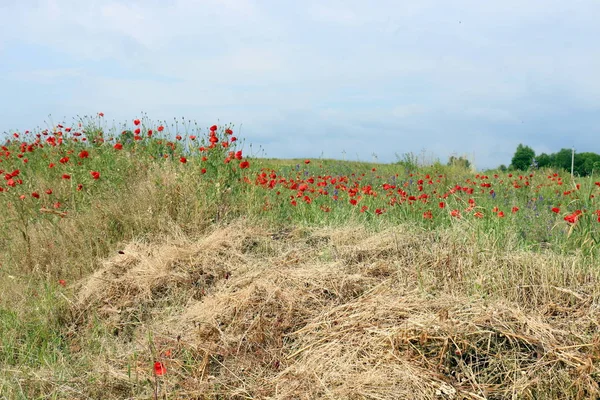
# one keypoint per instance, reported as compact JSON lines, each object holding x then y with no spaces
{"x":344,"y":79}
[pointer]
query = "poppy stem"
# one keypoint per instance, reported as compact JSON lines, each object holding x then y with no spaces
{"x":155,"y":387}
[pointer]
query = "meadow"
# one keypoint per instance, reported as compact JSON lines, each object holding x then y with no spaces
{"x":165,"y":260}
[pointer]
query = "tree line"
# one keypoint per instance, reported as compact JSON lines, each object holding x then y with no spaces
{"x":584,"y":164}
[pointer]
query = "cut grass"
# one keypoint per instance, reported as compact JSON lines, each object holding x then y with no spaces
{"x":248,"y":311}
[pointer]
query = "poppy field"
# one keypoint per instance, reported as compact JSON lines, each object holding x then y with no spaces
{"x":167,"y":260}
{"x":54,"y":172}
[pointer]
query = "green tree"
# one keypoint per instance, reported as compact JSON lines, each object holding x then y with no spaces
{"x":543,"y":160}
{"x":522,"y":158}
{"x":585,"y":162}
{"x":562,"y":159}
{"x":459,"y":162}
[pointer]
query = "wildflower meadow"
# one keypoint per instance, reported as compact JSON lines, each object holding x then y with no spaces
{"x":165,"y":259}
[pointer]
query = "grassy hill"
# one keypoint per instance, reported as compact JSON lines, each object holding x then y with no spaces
{"x":144,"y":264}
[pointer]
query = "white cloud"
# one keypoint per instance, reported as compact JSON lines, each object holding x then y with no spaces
{"x":336,"y":15}
{"x":427,"y":69}
{"x":409,"y":110}
{"x":491,"y":114}
{"x":47,"y":76}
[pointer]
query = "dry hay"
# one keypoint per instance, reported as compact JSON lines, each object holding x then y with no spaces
{"x":245,"y":312}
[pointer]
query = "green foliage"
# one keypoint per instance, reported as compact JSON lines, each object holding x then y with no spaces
{"x":409,"y":161}
{"x":543,"y":160}
{"x":584,"y":164}
{"x":562,"y":159}
{"x":459,"y":162}
{"x":523,"y":158}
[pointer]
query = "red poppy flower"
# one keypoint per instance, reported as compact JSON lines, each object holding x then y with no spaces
{"x":160,"y":128}
{"x":515,"y":209}
{"x":159,"y":368}
{"x":35,"y":194}
{"x":48,"y":191}
{"x":228,"y":131}
{"x":136,"y":122}
{"x":306,"y":161}
{"x":353,"y":202}
{"x":428,"y":214}
{"x":455,"y":213}
{"x":183,"y":160}
{"x":501,"y":214}
{"x":137,"y":131}
{"x":62,"y":282}
{"x":66,"y":176}
{"x":203,"y":171}
{"x":238,"y":155}
{"x":84,"y":154}
{"x":244,"y":164}
{"x":64,"y":160}
{"x":95,"y":174}
{"x":571,"y":218}
{"x":442,"y":204}
{"x":178,"y":137}
{"x":118,"y":146}
{"x":213,"y":128}
{"x":555,"y":210}
{"x":233,"y":139}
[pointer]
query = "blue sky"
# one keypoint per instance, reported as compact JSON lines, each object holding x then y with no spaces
{"x":308,"y":78}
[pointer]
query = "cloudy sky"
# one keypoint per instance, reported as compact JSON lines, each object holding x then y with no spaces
{"x":314,"y":78}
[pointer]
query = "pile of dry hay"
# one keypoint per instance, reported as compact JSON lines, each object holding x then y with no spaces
{"x":344,"y":313}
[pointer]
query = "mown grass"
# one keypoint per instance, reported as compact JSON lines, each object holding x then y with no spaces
{"x":53,"y":344}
